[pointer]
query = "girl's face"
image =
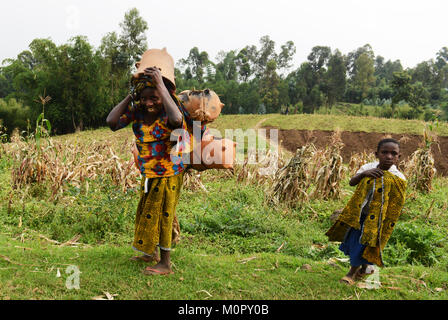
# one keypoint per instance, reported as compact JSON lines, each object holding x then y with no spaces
{"x":388,"y":155}
{"x":151,"y":100}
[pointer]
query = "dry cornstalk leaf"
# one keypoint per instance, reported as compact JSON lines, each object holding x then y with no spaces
{"x":208,"y":293}
{"x":246,"y":260}
{"x":6,"y":258}
{"x":47,"y":239}
{"x":24,"y":248}
{"x":71,"y":242}
{"x":280,"y":248}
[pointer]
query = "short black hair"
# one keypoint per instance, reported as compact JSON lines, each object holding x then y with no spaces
{"x":387,"y":140}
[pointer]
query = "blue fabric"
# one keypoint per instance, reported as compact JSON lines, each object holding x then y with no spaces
{"x":352,"y":246}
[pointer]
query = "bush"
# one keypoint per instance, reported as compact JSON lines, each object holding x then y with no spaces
{"x":103,"y":213}
{"x":387,"y":111}
{"x":13,"y":115}
{"x":415,"y":244}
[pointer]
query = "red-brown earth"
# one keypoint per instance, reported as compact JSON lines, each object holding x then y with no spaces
{"x":356,"y":142}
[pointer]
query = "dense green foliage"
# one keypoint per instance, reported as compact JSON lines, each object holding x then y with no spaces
{"x":86,"y":82}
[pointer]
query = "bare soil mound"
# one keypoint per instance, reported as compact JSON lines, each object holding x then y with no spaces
{"x":355,"y":142}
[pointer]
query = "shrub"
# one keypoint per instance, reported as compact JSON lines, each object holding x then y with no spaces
{"x":414,"y":243}
{"x":13,"y":115}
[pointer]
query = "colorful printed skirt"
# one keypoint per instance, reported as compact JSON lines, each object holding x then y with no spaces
{"x":155,"y":213}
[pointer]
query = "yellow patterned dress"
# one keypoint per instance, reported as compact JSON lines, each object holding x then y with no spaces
{"x":386,"y":203}
{"x":160,"y":163}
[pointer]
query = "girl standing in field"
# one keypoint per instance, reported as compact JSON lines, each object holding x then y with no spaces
{"x":367,"y":221}
{"x":155,"y":112}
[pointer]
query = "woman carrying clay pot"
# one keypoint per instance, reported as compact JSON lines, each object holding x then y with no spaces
{"x":155,"y":113}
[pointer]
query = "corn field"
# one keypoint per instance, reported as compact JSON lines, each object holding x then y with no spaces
{"x":59,"y":164}
{"x":310,"y":173}
{"x":359,"y":159}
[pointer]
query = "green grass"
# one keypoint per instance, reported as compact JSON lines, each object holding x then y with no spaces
{"x":220,"y":229}
{"x":32,"y":274}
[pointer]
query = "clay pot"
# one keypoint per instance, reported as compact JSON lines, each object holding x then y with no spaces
{"x":202,"y":105}
{"x":216,"y":154}
{"x":159,"y":58}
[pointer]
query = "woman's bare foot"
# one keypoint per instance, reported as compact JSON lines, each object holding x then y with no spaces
{"x":159,"y":268}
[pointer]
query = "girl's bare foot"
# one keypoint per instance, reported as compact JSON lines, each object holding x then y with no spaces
{"x":362,"y":272}
{"x":349,"y":278}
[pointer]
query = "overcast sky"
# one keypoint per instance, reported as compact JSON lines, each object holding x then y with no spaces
{"x":408,"y":30}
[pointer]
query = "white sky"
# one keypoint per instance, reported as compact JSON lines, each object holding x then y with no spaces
{"x":409,"y":30}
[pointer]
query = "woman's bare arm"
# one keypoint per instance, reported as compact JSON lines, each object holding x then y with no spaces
{"x":117,"y":111}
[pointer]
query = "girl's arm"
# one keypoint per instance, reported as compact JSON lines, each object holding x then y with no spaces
{"x":372,"y":173}
{"x":116,"y":113}
{"x":171,"y":109}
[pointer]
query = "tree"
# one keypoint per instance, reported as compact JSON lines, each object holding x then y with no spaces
{"x":423,"y":72}
{"x":318,"y":58}
{"x":288,"y":50}
{"x":305,"y":82}
{"x":116,"y":66}
{"x":265,"y":54}
{"x":418,"y":96}
{"x":385,"y":70}
{"x":364,"y":78}
{"x":401,"y":85}
{"x":197,"y":63}
{"x":442,"y":58}
{"x":354,"y":55}
{"x":226,"y":67}
{"x":269,"y":87}
{"x":133,"y":37}
{"x":335,"y":78}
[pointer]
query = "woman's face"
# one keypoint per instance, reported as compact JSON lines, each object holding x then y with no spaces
{"x":388,"y":155}
{"x":151,"y":101}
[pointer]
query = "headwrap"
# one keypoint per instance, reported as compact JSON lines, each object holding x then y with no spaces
{"x":137,"y":86}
